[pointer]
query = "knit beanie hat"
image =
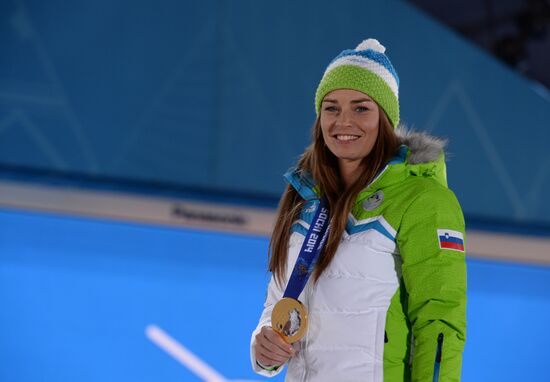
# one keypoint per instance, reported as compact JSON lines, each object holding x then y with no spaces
{"x":368,"y":70}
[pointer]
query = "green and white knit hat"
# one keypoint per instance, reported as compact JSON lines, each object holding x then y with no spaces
{"x":366,"y":69}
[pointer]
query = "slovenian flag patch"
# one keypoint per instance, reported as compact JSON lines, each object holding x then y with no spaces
{"x":448,"y":239}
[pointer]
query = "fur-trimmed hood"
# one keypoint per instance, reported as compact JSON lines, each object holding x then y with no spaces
{"x":421,"y":155}
{"x":423,"y":146}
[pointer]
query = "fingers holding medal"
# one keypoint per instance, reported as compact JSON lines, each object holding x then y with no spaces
{"x":271,"y":350}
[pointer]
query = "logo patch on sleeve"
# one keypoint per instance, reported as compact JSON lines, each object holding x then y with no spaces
{"x":448,"y":239}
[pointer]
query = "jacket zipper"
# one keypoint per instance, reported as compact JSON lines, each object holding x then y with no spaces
{"x":438,"y":357}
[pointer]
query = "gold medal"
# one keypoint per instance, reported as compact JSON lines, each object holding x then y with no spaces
{"x":289,"y":319}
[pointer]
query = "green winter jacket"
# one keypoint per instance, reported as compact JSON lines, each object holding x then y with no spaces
{"x":426,"y":320}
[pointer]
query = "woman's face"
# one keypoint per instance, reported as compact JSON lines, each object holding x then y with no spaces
{"x":350,"y":122}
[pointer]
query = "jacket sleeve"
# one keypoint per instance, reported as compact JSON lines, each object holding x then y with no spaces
{"x":435,"y":279}
{"x":274,"y":293}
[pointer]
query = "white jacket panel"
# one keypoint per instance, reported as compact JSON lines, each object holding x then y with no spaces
{"x":345,"y":334}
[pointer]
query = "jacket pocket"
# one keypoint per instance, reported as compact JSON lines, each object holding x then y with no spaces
{"x":438,"y":354}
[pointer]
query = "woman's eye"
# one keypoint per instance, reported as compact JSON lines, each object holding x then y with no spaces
{"x":330,"y":108}
{"x":361,"y":109}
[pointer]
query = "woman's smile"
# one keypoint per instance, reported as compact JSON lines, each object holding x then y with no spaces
{"x":346,"y":138}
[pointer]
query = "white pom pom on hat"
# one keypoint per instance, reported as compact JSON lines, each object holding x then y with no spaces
{"x":371,"y":43}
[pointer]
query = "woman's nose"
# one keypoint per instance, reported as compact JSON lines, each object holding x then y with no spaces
{"x":344,"y":118}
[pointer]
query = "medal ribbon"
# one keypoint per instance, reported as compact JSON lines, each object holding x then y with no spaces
{"x":309,"y":253}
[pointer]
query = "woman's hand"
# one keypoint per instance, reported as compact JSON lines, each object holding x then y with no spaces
{"x":271,"y":350}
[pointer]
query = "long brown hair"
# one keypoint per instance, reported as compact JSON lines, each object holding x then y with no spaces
{"x":322,"y":164}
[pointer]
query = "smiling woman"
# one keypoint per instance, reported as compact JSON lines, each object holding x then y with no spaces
{"x":368,"y":214}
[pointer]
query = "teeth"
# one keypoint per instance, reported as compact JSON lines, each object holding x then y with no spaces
{"x":346,"y":137}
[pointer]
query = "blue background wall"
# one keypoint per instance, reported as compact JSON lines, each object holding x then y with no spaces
{"x":219,"y":95}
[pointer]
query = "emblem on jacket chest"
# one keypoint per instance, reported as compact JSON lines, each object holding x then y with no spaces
{"x":373,"y":201}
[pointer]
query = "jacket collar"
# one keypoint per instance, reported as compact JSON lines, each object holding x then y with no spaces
{"x":420,"y":154}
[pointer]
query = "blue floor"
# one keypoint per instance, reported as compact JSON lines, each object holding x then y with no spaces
{"x":77,"y":294}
